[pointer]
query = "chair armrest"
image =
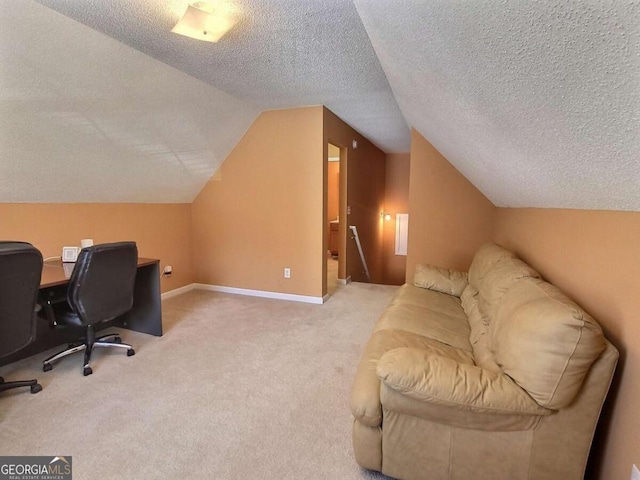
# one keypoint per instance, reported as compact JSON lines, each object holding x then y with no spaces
{"x":440,"y":389}
{"x":442,"y":280}
{"x":47,"y":306}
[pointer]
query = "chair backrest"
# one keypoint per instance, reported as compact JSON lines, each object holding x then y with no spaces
{"x":20,"y":273}
{"x":102,"y":282}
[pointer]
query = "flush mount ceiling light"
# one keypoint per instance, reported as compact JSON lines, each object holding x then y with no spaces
{"x":204,"y":21}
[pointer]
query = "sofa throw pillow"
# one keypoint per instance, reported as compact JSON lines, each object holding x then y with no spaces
{"x":442,"y":280}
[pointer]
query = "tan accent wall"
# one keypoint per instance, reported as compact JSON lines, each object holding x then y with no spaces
{"x":594,"y":256}
{"x":449,"y":218}
{"x":365,"y":195}
{"x":161,"y":231}
{"x":396,"y":201}
{"x":264,"y":209}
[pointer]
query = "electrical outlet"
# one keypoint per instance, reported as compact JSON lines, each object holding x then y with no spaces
{"x":287,"y":273}
{"x":168,"y":270}
{"x":635,"y":473}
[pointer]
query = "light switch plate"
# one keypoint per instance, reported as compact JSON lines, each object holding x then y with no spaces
{"x":635,"y":473}
{"x":70,"y":254}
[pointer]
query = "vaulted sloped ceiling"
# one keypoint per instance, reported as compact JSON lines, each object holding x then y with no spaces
{"x":115,"y":107}
{"x":84,"y":118}
{"x":537,"y":103}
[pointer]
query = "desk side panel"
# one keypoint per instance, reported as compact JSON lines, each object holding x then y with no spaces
{"x":146,"y":314}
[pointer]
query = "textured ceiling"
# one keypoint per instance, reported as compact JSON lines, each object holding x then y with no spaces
{"x":281,"y":53}
{"x":84,"y":118}
{"x":536,"y":103}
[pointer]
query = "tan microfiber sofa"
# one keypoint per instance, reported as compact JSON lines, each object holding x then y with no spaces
{"x":494,"y":374}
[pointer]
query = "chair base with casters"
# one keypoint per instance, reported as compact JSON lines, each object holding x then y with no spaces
{"x":100,"y":290}
{"x":87,"y":346}
{"x":33,"y":384}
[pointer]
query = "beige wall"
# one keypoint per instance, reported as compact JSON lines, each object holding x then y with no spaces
{"x":594,"y":256}
{"x":161,"y":231}
{"x":365,"y":195}
{"x":264,"y":209}
{"x":396,"y":200}
{"x":448,"y":217}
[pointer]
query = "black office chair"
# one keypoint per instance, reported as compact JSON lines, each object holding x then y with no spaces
{"x":20,"y":272}
{"x":100,"y":289}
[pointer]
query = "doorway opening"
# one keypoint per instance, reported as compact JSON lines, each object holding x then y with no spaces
{"x":335,"y":218}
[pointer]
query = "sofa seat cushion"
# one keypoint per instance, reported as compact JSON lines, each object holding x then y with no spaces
{"x":544,"y":341}
{"x":365,"y":396}
{"x":427,"y":313}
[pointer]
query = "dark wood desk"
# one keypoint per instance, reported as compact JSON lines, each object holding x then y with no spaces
{"x":145,"y":316}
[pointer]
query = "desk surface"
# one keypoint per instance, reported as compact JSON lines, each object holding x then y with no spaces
{"x":55,"y":272}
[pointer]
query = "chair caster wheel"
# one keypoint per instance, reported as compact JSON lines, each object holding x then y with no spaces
{"x":46,"y":367}
{"x":36,"y":388}
{"x":87,"y":371}
{"x":131,"y":352}
{"x":117,"y":340}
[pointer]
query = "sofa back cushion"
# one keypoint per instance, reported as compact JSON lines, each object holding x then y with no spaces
{"x":493,"y":271}
{"x":544,"y":341}
{"x":484,"y":260}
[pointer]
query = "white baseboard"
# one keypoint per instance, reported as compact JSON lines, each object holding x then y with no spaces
{"x":345,"y":281}
{"x":260,"y":293}
{"x":178,"y":291}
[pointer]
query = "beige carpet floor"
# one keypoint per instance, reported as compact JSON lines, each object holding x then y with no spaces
{"x":237,"y":388}
{"x":332,"y":274}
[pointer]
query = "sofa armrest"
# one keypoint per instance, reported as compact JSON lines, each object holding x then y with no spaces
{"x":442,"y":280}
{"x":440,"y":389}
